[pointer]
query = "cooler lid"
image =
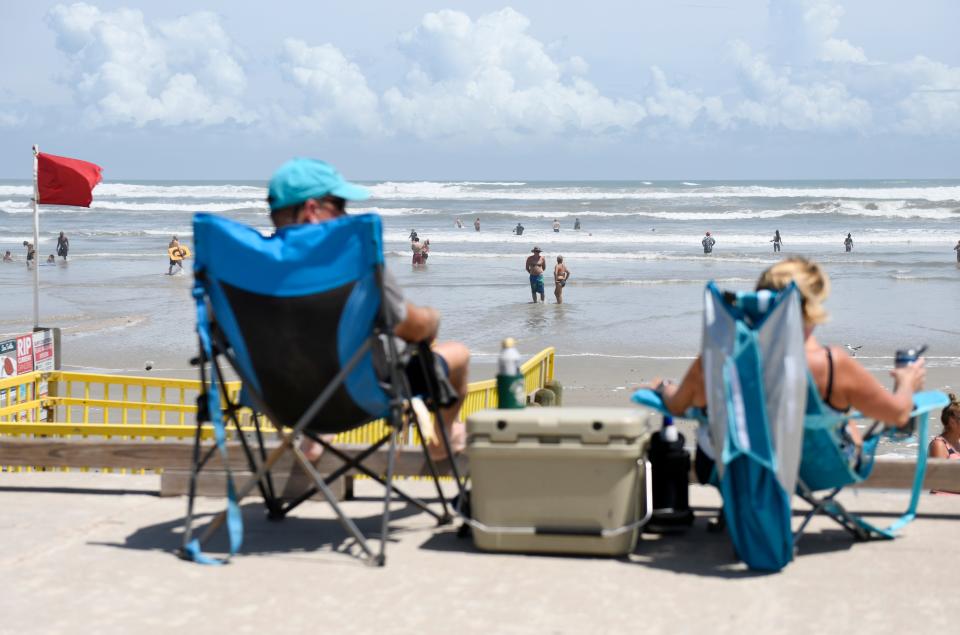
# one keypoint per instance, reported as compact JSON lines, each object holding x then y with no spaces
{"x":590,"y":425}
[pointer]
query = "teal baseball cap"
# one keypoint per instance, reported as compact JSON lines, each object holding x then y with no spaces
{"x":300,"y":179}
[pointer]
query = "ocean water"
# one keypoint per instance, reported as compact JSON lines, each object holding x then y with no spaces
{"x":637,"y":264}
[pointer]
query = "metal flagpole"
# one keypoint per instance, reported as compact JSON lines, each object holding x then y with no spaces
{"x":36,"y":240}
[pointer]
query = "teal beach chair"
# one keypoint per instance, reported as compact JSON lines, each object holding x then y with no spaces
{"x":755,"y":372}
{"x":771,"y":434}
{"x":827,"y":464}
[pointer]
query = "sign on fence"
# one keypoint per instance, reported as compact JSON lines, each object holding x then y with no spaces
{"x":22,"y":354}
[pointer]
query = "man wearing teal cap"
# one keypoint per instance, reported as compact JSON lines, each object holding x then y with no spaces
{"x":310,"y":191}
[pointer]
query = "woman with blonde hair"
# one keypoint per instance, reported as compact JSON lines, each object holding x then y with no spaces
{"x":842,"y":383}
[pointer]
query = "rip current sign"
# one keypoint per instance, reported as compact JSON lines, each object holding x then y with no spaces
{"x":24,"y":354}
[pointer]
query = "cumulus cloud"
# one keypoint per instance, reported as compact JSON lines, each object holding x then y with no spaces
{"x":336,"y":89}
{"x":683,"y":108}
{"x":831,"y":83}
{"x":487,"y":77}
{"x":490,"y":76}
{"x":933,"y":104}
{"x":182,"y":71}
{"x":773,"y":99}
{"x":804,"y":31}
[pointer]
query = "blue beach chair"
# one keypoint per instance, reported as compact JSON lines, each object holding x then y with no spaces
{"x":826,"y":465}
{"x":768,"y":430}
{"x":755,"y":372}
{"x":299,"y":317}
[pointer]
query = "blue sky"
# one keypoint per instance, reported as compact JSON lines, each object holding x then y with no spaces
{"x":735,"y":89}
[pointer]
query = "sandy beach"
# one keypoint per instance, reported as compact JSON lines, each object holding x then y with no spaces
{"x":108,"y":563}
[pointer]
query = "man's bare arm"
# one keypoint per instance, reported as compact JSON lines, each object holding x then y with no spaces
{"x":421,"y":324}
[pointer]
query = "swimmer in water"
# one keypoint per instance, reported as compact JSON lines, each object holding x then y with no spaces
{"x":51,"y":259}
{"x":535,"y":265}
{"x":459,"y":223}
{"x":518,"y":230}
{"x":956,"y":249}
{"x":63,"y":246}
{"x":31,"y":253}
{"x":848,"y":243}
{"x":708,"y":242}
{"x":417,"y":250}
{"x":560,"y":276}
{"x":8,"y":257}
{"x":476,"y":224}
{"x":776,"y":241}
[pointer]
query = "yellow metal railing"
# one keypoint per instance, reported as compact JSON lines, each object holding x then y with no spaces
{"x":88,"y":404}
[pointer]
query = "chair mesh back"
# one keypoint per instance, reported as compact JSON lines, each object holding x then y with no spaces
{"x":293,"y":308}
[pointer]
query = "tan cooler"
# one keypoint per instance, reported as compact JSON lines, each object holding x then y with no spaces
{"x":559,"y":480}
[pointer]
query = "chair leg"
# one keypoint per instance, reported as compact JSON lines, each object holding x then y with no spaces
{"x":356,"y":463}
{"x":445,"y":518}
{"x":833,"y":509}
{"x":265,"y":485}
{"x":461,"y":492}
{"x":845,"y":519}
{"x":248,"y":485}
{"x":268,"y":478}
{"x":345,"y":520}
{"x":191,"y":494}
{"x":387,"y":496}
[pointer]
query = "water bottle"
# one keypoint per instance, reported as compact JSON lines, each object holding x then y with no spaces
{"x":511,"y":389}
{"x":670,"y":464}
{"x":905,"y":357}
{"x":669,"y":432}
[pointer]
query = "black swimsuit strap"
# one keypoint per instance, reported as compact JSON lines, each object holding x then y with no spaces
{"x":826,"y":398}
{"x":829,"y":374}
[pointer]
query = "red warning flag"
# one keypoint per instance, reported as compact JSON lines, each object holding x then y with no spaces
{"x":65,"y":181}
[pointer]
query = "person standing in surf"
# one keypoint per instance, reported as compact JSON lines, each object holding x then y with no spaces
{"x":31,"y":253}
{"x":458,"y":223}
{"x":535,"y":266}
{"x":576,"y":223}
{"x":560,"y":276}
{"x":776,"y":241}
{"x":957,"y":249}
{"x":848,"y":243}
{"x":556,"y":225}
{"x":708,"y":242}
{"x":476,"y":224}
{"x":63,"y":246}
{"x":417,"y":250}
{"x":176,"y":256}
{"x":518,"y":230}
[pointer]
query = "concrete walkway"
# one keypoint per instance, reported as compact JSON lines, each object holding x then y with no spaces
{"x":94,"y":553}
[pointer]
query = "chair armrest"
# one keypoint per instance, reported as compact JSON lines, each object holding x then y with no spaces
{"x":654,"y":400}
{"x":928,"y":400}
{"x":651,"y":399}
